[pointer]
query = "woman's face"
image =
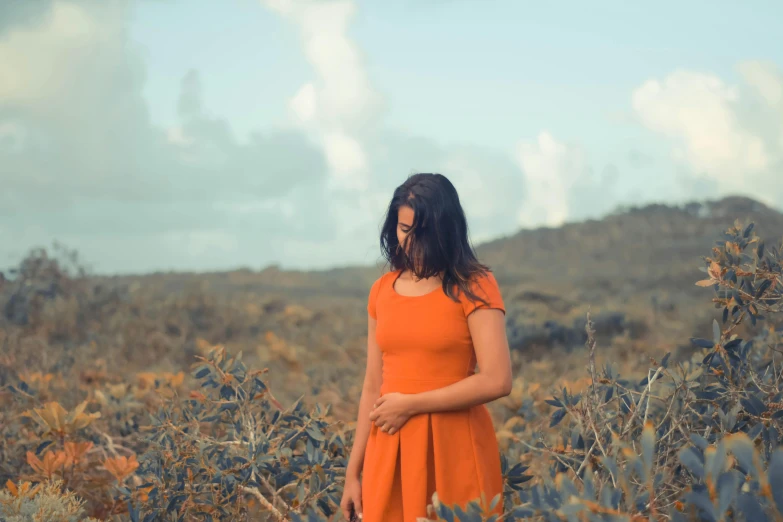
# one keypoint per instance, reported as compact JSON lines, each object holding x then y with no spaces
{"x":404,"y":223}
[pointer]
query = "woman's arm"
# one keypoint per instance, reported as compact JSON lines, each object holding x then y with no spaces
{"x":488,"y":330}
{"x":371,"y":390}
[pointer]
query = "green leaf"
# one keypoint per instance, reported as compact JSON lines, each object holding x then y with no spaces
{"x":691,"y":460}
{"x":775,"y":476}
{"x":702,"y":343}
{"x":728,"y":487}
{"x":716,"y":331}
{"x":557,"y":416}
{"x":315,"y":434}
{"x":742,"y":447}
{"x":750,"y":507}
{"x":701,"y":500}
{"x":648,"y":449}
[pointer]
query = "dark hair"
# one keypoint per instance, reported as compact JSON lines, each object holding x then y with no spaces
{"x":438,"y":236}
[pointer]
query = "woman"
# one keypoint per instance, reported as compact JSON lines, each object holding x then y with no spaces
{"x":423,"y":425}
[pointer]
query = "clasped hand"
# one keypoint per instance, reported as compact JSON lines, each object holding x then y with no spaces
{"x":391,"y":411}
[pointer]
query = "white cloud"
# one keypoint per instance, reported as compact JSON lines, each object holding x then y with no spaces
{"x":766,"y":79}
{"x":304,"y":103}
{"x":551,"y":170}
{"x":33,"y":59}
{"x":340,"y":104}
{"x":729,"y":134}
{"x":81,"y":161}
{"x":346,"y":160}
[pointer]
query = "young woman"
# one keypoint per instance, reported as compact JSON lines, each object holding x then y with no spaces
{"x":423,"y":425}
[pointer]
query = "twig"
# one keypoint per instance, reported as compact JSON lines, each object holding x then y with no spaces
{"x":638,"y":404}
{"x":590,"y":344}
{"x":587,"y":457}
{"x":264,"y":502}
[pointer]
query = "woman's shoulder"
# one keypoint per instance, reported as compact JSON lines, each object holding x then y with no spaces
{"x":381,"y":281}
{"x":384,"y":276}
{"x":484,"y":286}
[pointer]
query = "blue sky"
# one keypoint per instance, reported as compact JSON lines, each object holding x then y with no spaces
{"x":205,"y":135}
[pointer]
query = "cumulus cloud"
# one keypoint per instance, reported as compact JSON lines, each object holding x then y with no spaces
{"x":731,"y":135}
{"x":551,"y":170}
{"x":82,"y":162}
{"x":338,"y":106}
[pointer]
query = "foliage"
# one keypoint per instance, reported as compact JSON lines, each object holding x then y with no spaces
{"x":683,"y":419}
{"x":23,"y":502}
{"x":231,"y":446}
{"x":696,"y":438}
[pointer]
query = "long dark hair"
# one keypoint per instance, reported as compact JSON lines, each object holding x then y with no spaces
{"x":438,"y":236}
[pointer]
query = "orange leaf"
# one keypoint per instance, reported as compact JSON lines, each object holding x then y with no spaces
{"x":714,"y":270}
{"x":121,"y":467}
{"x":77,"y":450}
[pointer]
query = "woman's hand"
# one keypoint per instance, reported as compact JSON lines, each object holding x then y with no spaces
{"x":391,"y":411}
{"x":352,"y":498}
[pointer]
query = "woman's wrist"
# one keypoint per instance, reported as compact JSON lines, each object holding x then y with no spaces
{"x":413,"y":404}
{"x":351,"y":473}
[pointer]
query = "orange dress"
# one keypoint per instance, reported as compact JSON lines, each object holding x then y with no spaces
{"x":426,"y":344}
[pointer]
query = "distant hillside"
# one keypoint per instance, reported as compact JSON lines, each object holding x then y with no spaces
{"x":632,"y":267}
{"x":634,"y":270}
{"x":649,"y":248}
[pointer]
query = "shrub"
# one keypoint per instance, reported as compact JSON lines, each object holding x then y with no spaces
{"x":230,"y":450}
{"x":659,"y":448}
{"x":23,"y":502}
{"x":696,"y":438}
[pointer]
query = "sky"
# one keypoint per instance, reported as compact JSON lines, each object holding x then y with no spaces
{"x":156,"y":135}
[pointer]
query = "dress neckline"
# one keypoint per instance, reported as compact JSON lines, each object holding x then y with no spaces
{"x":394,"y":290}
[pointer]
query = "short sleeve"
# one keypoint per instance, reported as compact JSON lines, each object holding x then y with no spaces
{"x":484,"y":286}
{"x":372,"y":298}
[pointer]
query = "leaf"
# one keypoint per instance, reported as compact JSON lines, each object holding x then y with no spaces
{"x":728,"y":487}
{"x":315,"y":434}
{"x":554,"y":402}
{"x":716,"y":333}
{"x":742,"y":447}
{"x":763,"y":287}
{"x":691,"y":460}
{"x":749,"y":505}
{"x":753,"y":405}
{"x":665,"y":360}
{"x":175,"y":502}
{"x":775,"y":477}
{"x":557,"y":416}
{"x":699,"y":441}
{"x":648,"y":448}
{"x":702,"y":343}
{"x":701,"y":500}
{"x":42,"y":446}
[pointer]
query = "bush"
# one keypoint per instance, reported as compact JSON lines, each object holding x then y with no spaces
{"x":24,"y":502}
{"x":682,"y":420}
{"x":230,"y":449}
{"x":696,"y":438}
